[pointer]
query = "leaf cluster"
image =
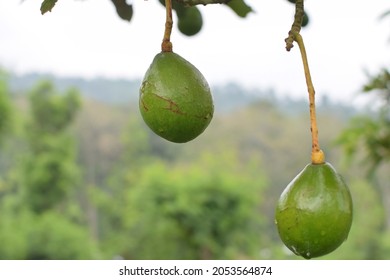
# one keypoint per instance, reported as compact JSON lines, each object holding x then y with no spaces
{"x":203,"y":209}
{"x":371,"y":132}
{"x":5,"y":107}
{"x":136,"y":196}
{"x":190,"y":19}
{"x":50,"y":236}
{"x":35,"y":185}
{"x":50,"y":164}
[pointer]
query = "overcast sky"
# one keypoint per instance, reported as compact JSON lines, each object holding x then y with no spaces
{"x":87,"y":38}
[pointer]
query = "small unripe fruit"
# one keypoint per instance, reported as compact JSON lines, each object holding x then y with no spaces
{"x":190,"y":21}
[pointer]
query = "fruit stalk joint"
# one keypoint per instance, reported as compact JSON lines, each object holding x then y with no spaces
{"x":166,"y":45}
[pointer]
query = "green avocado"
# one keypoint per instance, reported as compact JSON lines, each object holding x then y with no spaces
{"x":314,"y":213}
{"x":175,"y":99}
{"x":190,"y":21}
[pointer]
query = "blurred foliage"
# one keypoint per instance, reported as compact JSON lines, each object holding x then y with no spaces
{"x":5,"y":107}
{"x":189,"y":17}
{"x":93,"y":182}
{"x":24,"y":235}
{"x":49,"y":165}
{"x":53,"y":236}
{"x":52,"y":112}
{"x":205,"y":209}
{"x":95,"y":178}
{"x":371,"y":132}
{"x":367,"y":137}
{"x":49,"y":173}
{"x":35,"y":220}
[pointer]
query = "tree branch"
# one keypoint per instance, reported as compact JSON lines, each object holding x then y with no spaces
{"x":201,"y":2}
{"x":166,"y":45}
{"x":296,"y":26}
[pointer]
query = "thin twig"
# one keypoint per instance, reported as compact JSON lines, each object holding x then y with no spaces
{"x":296,"y":26}
{"x":166,"y":45}
{"x":317,"y":156}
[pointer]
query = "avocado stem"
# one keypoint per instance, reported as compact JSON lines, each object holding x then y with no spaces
{"x":296,"y":26}
{"x":166,"y":45}
{"x":317,"y":156}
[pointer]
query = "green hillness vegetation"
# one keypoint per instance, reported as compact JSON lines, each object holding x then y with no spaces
{"x":82,"y":176}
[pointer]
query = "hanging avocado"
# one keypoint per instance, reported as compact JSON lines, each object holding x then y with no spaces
{"x":175,"y":99}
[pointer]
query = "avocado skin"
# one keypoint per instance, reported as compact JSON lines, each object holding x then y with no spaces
{"x":314,"y":212}
{"x":190,"y":21}
{"x":175,"y":99}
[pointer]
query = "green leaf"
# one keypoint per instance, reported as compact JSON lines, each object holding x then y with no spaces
{"x":385,"y":14}
{"x":379,"y":82}
{"x":240,"y":7}
{"x":47,"y":5}
{"x":124,"y":10}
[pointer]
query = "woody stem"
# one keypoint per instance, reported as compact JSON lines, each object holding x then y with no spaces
{"x":317,"y":156}
{"x":166,"y":45}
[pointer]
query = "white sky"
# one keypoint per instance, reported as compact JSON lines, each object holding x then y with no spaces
{"x":87,"y":38}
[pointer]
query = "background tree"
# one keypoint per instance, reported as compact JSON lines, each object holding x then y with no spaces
{"x":371,"y":132}
{"x":5,"y":107}
{"x":367,"y":138}
{"x":35,"y":217}
{"x":203,"y":209}
{"x":142,"y":198}
{"x":50,"y":168}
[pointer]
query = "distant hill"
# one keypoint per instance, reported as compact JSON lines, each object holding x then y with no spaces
{"x":115,"y":91}
{"x":227,"y":97}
